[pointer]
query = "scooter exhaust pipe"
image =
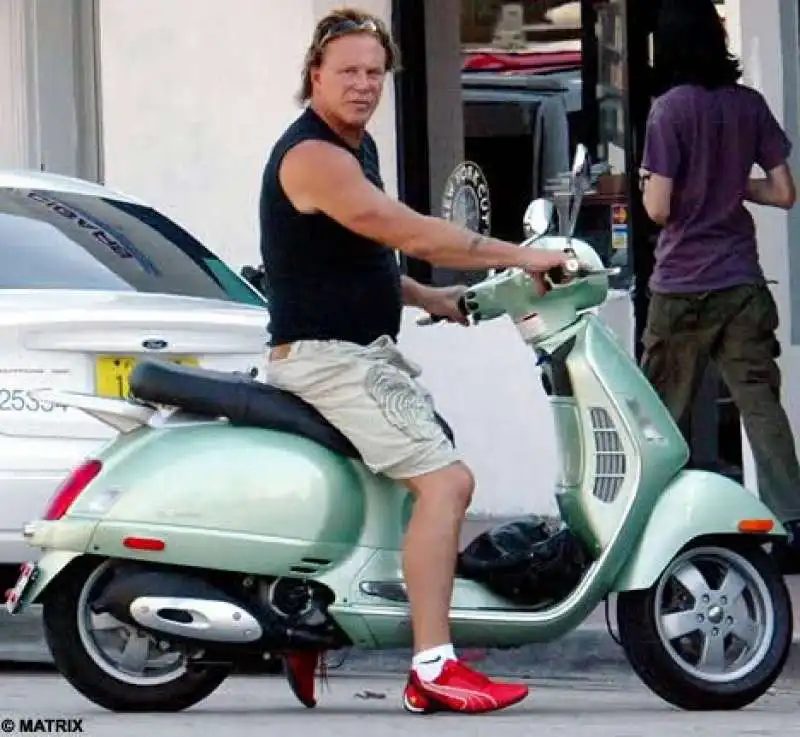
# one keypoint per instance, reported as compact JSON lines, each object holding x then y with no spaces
{"x":178,"y":606}
{"x":184,"y":607}
{"x":210,"y":620}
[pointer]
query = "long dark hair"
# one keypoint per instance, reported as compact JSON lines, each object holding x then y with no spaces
{"x":690,"y":46}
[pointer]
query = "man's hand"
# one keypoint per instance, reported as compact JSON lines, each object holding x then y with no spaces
{"x":537,"y":262}
{"x":443,"y":302}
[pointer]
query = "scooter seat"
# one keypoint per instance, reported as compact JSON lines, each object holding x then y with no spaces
{"x":240,"y":399}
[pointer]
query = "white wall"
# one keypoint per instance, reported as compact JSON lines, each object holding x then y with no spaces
{"x":194,"y":94}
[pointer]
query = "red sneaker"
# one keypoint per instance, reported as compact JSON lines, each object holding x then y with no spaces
{"x":461,"y":689}
{"x":301,"y":667}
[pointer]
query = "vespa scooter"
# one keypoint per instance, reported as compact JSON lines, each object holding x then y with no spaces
{"x":227,"y":519}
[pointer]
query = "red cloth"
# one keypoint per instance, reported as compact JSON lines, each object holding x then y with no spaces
{"x":539,"y":62}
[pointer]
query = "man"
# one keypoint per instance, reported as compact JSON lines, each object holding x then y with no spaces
{"x":710,"y":300}
{"x":336,"y":296}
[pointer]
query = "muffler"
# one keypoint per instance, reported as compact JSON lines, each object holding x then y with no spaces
{"x":177,"y":605}
{"x":196,"y":619}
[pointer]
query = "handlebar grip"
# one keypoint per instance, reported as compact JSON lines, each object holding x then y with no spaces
{"x":561,"y":274}
{"x":433,"y":319}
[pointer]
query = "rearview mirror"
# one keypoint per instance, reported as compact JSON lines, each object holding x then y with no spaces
{"x":538,"y":218}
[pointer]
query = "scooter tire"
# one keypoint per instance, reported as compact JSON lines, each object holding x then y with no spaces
{"x":651,"y":661}
{"x":60,"y":624}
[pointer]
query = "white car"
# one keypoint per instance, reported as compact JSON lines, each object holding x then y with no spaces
{"x":91,"y":281}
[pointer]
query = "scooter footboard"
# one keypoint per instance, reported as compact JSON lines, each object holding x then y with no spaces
{"x":696,"y":504}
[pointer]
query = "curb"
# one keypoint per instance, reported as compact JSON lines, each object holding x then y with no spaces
{"x":588,"y":652}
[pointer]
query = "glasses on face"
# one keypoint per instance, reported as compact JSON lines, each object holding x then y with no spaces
{"x":348,"y":26}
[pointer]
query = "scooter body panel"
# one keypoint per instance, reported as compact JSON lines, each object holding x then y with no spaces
{"x":235,"y":498}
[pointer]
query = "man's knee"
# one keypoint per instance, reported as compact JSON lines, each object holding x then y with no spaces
{"x":454,"y":482}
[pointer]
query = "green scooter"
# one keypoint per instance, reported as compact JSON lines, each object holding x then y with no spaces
{"x":228,"y":520}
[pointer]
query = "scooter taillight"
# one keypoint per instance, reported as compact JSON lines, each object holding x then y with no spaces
{"x":71,"y":488}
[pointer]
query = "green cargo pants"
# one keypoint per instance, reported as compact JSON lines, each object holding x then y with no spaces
{"x":734,"y":328}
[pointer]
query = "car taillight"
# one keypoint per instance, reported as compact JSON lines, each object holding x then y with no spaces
{"x":69,"y":491}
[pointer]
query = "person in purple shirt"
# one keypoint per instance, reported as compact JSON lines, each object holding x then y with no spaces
{"x":709,"y":299}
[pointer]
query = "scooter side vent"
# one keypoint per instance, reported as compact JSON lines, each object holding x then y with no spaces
{"x":310,"y":566}
{"x":610,"y":465}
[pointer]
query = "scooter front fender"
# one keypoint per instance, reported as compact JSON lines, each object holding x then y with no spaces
{"x":696,"y":504}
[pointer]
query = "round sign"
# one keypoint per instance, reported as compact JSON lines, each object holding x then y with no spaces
{"x":466,"y":198}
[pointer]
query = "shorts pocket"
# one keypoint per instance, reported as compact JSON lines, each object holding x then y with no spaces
{"x":403,"y":402}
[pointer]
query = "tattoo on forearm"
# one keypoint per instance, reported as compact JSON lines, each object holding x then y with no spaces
{"x":475,"y":242}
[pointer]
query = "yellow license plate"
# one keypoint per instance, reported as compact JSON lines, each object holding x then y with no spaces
{"x":113,"y":372}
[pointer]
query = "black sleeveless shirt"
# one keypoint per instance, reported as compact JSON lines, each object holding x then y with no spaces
{"x":323,"y":281}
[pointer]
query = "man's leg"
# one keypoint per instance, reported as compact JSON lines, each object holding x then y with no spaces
{"x":372,"y":396}
{"x":676,"y":340}
{"x":746,"y":356}
{"x":441,"y":499}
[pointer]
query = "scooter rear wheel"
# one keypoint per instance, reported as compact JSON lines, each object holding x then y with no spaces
{"x":110,"y":663}
{"x":714,"y":632}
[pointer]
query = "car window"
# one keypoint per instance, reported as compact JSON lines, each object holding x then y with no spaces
{"x":59,"y":240}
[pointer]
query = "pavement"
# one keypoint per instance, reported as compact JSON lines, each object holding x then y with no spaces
{"x":357,"y":706}
{"x":589,"y":649}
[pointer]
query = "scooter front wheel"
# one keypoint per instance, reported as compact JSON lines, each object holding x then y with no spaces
{"x":109,"y":662}
{"x":714,"y":631}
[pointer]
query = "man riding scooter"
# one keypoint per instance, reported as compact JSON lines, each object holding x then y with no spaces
{"x":336,"y":297}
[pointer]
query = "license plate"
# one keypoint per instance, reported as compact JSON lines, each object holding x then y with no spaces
{"x":14,"y":597}
{"x":113,"y":372}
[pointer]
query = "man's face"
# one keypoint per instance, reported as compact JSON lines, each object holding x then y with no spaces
{"x":349,"y":81}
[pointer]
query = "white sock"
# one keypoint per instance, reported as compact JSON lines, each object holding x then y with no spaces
{"x":428,"y":664}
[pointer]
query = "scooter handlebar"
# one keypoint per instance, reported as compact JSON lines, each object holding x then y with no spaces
{"x":574,"y":269}
{"x":557,"y":276}
{"x":433,"y":319}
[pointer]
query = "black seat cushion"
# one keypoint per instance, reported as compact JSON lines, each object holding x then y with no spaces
{"x":240,"y":399}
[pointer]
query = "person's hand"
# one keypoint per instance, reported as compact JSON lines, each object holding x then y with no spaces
{"x":536,"y":262}
{"x":443,"y":302}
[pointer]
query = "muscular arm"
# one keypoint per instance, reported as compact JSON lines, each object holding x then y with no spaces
{"x":319,"y":177}
{"x":776,"y":190}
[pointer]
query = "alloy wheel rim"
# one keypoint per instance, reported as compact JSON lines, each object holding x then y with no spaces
{"x":120,"y":650}
{"x":714,"y":614}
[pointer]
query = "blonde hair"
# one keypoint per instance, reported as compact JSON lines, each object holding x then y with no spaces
{"x":323,"y":33}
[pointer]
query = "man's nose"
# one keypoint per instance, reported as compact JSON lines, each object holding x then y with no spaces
{"x":363,"y":81}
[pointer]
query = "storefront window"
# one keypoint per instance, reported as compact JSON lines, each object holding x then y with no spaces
{"x":534,"y":81}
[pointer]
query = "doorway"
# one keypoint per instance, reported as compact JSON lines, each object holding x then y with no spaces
{"x":511,"y":88}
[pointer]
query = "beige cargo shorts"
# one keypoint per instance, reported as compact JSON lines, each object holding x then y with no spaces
{"x":372,"y":396}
